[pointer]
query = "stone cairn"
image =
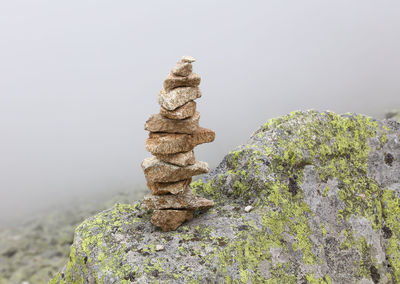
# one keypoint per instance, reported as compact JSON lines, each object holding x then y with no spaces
{"x":174,"y":132}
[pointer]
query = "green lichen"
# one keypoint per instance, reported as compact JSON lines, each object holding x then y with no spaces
{"x":323,"y":230}
{"x":93,"y":232}
{"x":338,"y":148}
{"x":324,"y":280}
{"x":391,"y":212}
{"x":208,"y":188}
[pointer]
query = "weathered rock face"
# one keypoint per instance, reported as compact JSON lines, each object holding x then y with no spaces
{"x":325,"y":192}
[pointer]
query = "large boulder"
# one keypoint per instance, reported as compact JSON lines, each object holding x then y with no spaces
{"x":311,"y":198}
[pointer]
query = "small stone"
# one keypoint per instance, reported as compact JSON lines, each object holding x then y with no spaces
{"x":248,"y":208}
{"x":182,"y":112}
{"x":188,"y":59}
{"x":172,"y":81}
{"x":158,"y":123}
{"x":156,"y":170}
{"x":159,"y":247}
{"x":164,"y":143}
{"x":185,"y":200}
{"x":170,"y":220}
{"x":167,"y":143}
{"x":180,"y":159}
{"x":182,"y":69}
{"x":178,"y":97}
{"x":202,"y":135}
{"x":161,"y":188}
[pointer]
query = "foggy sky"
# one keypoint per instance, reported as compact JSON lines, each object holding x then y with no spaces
{"x":78,"y":79}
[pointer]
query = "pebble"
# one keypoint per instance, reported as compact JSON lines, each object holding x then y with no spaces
{"x":159,"y":247}
{"x":248,"y":208}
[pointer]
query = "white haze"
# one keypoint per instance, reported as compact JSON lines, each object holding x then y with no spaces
{"x":78,"y":79}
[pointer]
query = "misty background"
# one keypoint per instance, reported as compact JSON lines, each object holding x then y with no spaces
{"x":78,"y":79}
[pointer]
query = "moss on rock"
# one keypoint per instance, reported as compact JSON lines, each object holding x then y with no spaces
{"x":325,"y":201}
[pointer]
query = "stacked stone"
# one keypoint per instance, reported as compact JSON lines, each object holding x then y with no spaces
{"x":174,"y":133}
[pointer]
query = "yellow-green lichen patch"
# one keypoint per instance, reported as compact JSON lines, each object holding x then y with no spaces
{"x":391,"y":213}
{"x":337,"y":146}
{"x":286,"y":237}
{"x":252,"y":246}
{"x":324,"y":280}
{"x":95,"y":245}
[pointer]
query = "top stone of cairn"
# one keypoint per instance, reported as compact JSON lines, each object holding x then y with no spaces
{"x":188,"y":59}
{"x":184,"y":66}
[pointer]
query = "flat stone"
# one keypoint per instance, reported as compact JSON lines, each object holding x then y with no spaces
{"x":170,"y":220}
{"x":172,"y":81}
{"x":202,"y":135}
{"x":168,"y":143}
{"x":161,"y":188}
{"x":182,"y":69}
{"x":156,"y":170}
{"x":178,"y":97}
{"x":159,"y":123}
{"x":185,"y":200}
{"x":179,"y":159}
{"x":188,"y":59}
{"x":182,"y":112}
{"x":165,"y":143}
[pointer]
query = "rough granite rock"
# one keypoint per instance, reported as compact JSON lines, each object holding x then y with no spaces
{"x":186,"y":200}
{"x":178,"y":97}
{"x":188,"y":59}
{"x":325,"y":192}
{"x":165,"y":143}
{"x":158,"y":123}
{"x":182,"y":69}
{"x":170,"y":220}
{"x":182,"y":112}
{"x":172,"y":81}
{"x":156,"y":170}
{"x":160,"y":188}
{"x":180,"y":159}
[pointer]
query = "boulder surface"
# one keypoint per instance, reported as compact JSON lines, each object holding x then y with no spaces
{"x":325,"y":194}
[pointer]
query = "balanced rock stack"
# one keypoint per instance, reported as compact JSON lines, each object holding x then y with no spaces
{"x":174,"y":132}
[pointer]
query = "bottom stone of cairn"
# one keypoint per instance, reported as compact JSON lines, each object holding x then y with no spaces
{"x":169,"y":220}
